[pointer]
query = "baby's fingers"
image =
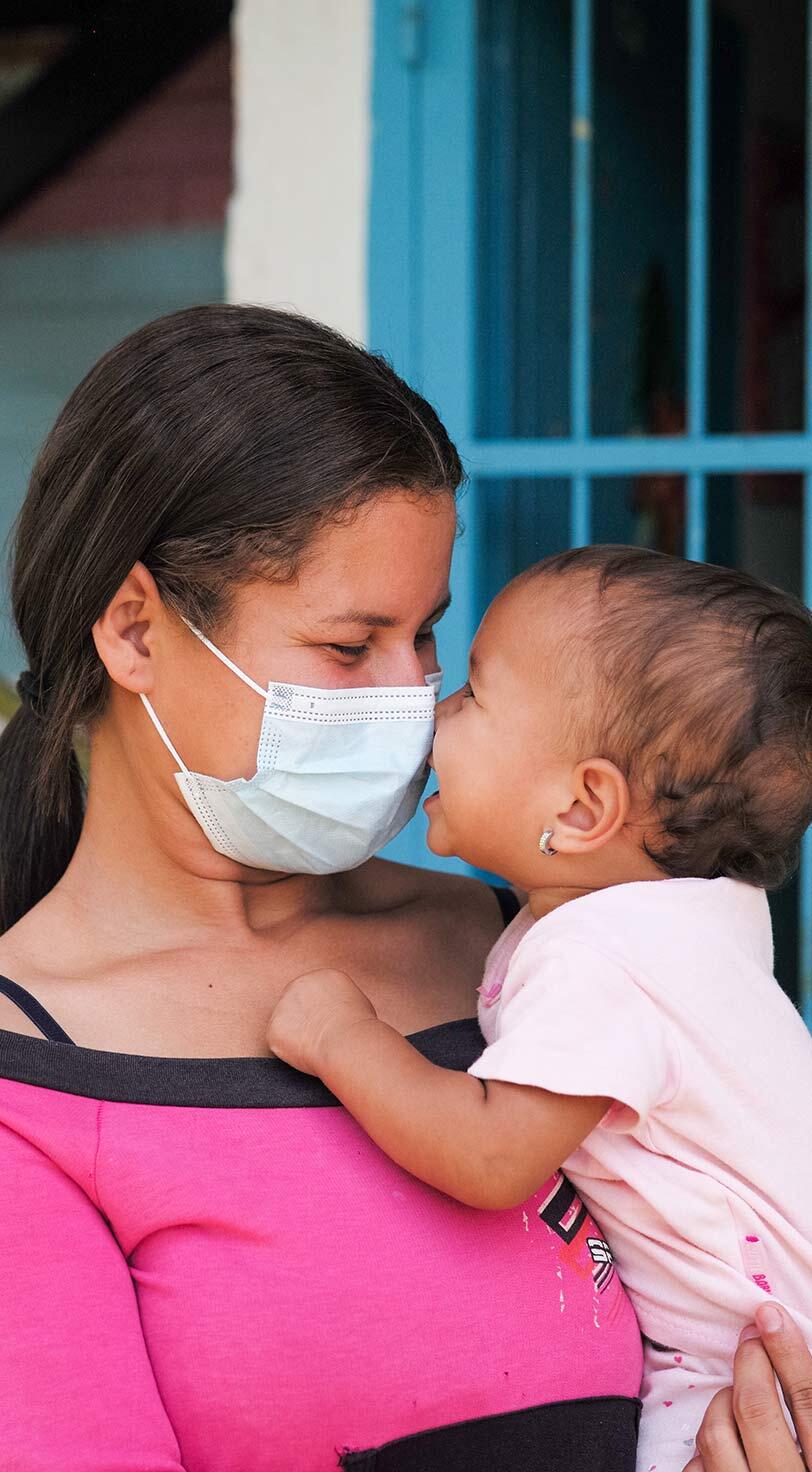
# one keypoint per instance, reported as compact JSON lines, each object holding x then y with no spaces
{"x":313,"y":1011}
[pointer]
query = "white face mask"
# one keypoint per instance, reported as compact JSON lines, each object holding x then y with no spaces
{"x":339,"y":773}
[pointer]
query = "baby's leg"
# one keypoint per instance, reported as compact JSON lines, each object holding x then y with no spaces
{"x":677,"y":1389}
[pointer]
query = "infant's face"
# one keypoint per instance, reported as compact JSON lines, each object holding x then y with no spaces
{"x":499,"y":749}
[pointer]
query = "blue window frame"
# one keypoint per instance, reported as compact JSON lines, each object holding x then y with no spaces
{"x":462,"y":90}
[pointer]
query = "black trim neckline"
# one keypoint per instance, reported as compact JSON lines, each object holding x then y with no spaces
{"x":56,"y":1062}
{"x":201,"y":1083}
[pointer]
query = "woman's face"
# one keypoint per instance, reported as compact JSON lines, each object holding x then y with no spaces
{"x":361,"y":612}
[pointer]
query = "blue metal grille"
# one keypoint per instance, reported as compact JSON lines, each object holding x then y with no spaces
{"x":580,"y":361}
{"x":425,"y":315}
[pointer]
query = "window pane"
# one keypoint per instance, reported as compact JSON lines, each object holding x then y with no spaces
{"x":524,"y":204}
{"x":758,"y":525}
{"x":755,"y":379}
{"x":522,"y":521}
{"x":639,"y":204}
{"x":644,"y":510}
{"x":756,"y":162}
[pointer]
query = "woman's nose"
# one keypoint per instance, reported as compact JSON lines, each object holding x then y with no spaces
{"x":405,"y":669}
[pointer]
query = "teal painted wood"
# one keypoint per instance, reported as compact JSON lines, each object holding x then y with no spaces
{"x":447,"y":303}
{"x":423,"y":249}
{"x":393,"y":265}
{"x":634,"y":455}
{"x":698,"y":70}
{"x":423,"y":263}
{"x":64,"y":303}
{"x":581,"y":250}
{"x":154,"y":267}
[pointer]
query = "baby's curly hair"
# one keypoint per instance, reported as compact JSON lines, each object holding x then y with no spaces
{"x":704,"y":700}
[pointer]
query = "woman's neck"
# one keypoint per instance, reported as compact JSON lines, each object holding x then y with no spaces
{"x":141,"y":871}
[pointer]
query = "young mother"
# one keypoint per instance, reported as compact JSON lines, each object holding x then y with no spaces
{"x":207,"y":1265}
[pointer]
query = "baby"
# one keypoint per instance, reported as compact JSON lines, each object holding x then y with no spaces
{"x":636,"y":731}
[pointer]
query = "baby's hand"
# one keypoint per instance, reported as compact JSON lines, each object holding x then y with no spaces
{"x":311,"y":1015}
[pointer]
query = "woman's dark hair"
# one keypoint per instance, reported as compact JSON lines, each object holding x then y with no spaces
{"x":210,"y":445}
{"x":702,"y":681}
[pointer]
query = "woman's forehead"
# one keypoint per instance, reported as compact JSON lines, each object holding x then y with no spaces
{"x":389,"y":565}
{"x":394,"y":549}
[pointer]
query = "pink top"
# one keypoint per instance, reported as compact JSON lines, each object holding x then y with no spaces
{"x":208,"y":1266}
{"x":661,"y":996}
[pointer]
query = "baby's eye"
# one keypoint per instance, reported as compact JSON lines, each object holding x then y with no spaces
{"x":352,"y":650}
{"x":466,"y":692}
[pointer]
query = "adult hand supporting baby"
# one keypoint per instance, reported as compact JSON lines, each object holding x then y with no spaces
{"x":313,"y":1011}
{"x":744,"y":1429}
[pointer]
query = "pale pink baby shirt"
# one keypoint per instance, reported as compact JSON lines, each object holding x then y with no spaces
{"x":661,"y":997}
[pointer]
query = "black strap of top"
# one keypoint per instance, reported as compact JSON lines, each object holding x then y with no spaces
{"x":508,"y":904}
{"x":34,"y":1010}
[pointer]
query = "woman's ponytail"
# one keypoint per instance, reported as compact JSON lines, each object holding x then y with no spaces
{"x":40,"y":819}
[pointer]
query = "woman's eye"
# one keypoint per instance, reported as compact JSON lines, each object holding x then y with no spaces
{"x":424,"y":637}
{"x":354,"y":650}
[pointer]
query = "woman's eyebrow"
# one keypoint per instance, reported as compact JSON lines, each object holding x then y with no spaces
{"x":380,"y":620}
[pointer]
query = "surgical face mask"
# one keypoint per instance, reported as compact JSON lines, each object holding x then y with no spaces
{"x":339,"y":773}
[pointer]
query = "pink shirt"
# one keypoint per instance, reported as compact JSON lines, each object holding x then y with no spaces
{"x":206,"y":1265}
{"x":661,"y":997}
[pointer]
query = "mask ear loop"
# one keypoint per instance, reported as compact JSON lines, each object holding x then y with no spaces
{"x":229,"y":665}
{"x":165,"y":739}
{"x":224,"y":659}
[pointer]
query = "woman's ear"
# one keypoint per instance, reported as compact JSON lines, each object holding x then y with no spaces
{"x":124,"y":632}
{"x":599,"y":809}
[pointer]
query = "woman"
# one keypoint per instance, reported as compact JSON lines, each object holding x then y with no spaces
{"x":227,"y":573}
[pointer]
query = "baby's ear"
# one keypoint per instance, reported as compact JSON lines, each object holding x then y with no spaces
{"x":599,"y":810}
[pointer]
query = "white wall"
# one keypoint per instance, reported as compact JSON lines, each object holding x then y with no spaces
{"x":297,"y":228}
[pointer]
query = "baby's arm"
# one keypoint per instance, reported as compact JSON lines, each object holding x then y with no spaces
{"x":490,"y":1145}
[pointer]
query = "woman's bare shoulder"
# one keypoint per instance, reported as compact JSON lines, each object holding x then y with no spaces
{"x":442,"y":927}
{"x":16,"y":964}
{"x":13,"y":1019}
{"x":396,"y":883}
{"x":460,"y":899}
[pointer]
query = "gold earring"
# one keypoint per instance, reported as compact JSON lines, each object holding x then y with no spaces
{"x":544,"y":843}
